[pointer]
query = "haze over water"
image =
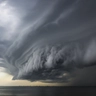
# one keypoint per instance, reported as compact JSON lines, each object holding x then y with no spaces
{"x":47,"y":91}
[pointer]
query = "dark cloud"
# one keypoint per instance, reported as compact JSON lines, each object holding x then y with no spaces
{"x":55,"y":38}
{"x":85,"y":77}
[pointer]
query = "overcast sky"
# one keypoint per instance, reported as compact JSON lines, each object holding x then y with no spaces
{"x":49,"y":41}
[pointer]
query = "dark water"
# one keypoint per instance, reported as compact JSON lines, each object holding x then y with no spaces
{"x":47,"y":91}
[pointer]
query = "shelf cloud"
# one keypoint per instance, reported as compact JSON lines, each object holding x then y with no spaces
{"x":50,"y":38}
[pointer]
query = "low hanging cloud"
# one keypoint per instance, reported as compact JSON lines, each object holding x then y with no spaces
{"x":56,"y":38}
{"x":51,"y":61}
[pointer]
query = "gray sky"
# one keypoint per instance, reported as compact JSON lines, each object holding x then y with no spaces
{"x":48,"y":40}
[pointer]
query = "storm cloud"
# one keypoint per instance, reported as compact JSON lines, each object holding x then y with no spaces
{"x":51,"y":38}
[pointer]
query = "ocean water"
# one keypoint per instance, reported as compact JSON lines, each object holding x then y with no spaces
{"x":47,"y":91}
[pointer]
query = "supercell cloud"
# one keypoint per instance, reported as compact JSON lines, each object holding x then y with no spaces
{"x":49,"y":38}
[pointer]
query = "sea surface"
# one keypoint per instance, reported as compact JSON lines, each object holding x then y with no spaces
{"x":47,"y":91}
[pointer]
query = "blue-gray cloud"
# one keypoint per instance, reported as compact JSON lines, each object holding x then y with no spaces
{"x":53,"y":37}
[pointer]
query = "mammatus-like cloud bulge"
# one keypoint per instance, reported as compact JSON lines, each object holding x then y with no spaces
{"x":60,"y":39}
